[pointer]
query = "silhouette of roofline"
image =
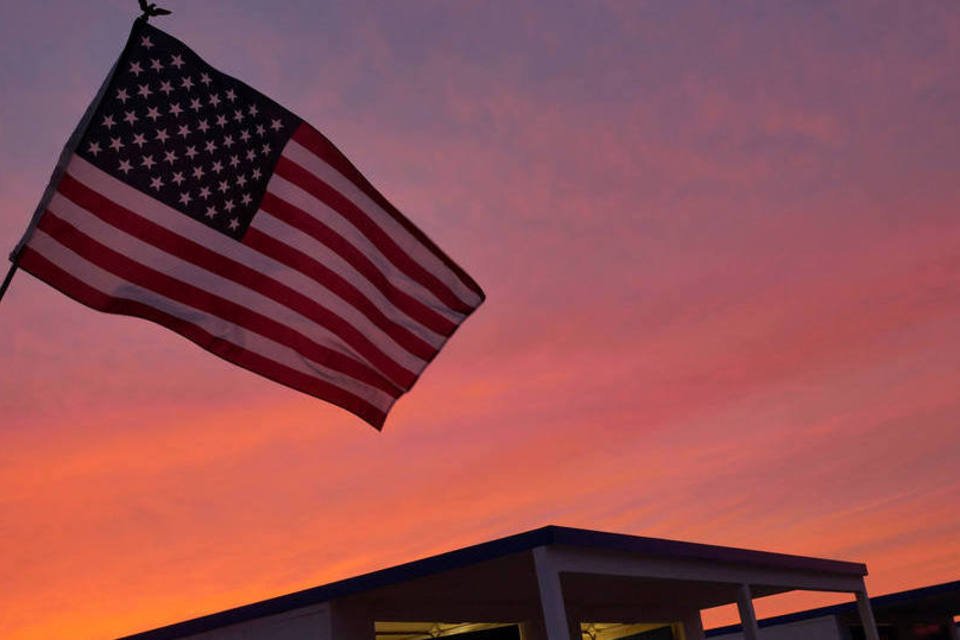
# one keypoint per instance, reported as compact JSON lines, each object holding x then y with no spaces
{"x":484,"y":551}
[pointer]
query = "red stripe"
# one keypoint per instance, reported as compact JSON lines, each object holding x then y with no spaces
{"x":332,"y":281}
{"x":317,"y":143}
{"x":300,"y":219}
{"x":34,"y":263}
{"x":139,"y":274}
{"x":191,"y":251}
{"x":384,"y":243}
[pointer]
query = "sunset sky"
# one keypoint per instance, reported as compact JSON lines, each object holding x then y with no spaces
{"x":721,"y":249}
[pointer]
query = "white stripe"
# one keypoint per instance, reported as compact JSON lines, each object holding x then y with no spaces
{"x":293,"y":237}
{"x":185,"y":226}
{"x":190,"y":274}
{"x":410,"y":245}
{"x":115,"y":287}
{"x":301,"y":199}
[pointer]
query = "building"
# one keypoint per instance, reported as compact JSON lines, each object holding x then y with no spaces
{"x":918,"y":614}
{"x":553,"y":583}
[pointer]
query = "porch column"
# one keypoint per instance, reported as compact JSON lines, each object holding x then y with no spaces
{"x":551,"y":597}
{"x":866,"y":615}
{"x":748,"y":617}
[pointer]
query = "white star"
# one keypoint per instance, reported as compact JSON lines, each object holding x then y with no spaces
{"x":153,"y":113}
{"x":175,"y":109}
{"x":148,"y":162}
{"x":256,"y":174}
{"x":178,"y":178}
{"x":198,"y":172}
{"x":191,"y":152}
{"x":266,"y":149}
{"x":234,"y":161}
{"x":205,"y":78}
{"x":144,"y":90}
{"x":139,"y":139}
{"x":204,"y":192}
{"x":228,"y":141}
{"x":221,"y":120}
{"x":166,"y":87}
{"x":276,"y":125}
{"x":203,"y":126}
{"x":94,"y":148}
{"x":125,"y":166}
{"x":244,"y":135}
{"x":231,"y":95}
{"x":223,"y":187}
{"x":108,"y":122}
{"x":260,"y":130}
{"x":156,"y":183}
{"x":136,"y":69}
{"x":116,"y":144}
{"x":162,"y":135}
{"x":211,"y":212}
{"x":242,"y":180}
{"x":170,"y":156}
{"x":177,"y":61}
{"x":217,"y":166}
{"x":246,"y":199}
{"x":185,"y":197}
{"x":123,"y":96}
{"x":251,"y":154}
{"x":234,"y":224}
{"x":183,"y":131}
{"x":214,"y":99}
{"x":253,"y":110}
{"x":130,"y":117}
{"x":229,"y":206}
{"x":238,"y":115}
{"x":146,"y":43}
{"x":210,"y":146}
{"x":195,"y":104}
{"x":187,"y":83}
{"x":155,"y":65}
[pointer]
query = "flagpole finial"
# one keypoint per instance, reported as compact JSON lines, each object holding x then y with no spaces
{"x":151,"y":10}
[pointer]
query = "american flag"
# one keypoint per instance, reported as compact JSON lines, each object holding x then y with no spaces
{"x":196,"y":202}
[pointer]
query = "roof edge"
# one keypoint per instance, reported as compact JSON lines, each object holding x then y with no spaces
{"x":499,"y":547}
{"x":463,"y":556}
{"x":696,"y":550}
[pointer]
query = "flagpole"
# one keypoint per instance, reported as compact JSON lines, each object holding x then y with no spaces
{"x":9,"y":277}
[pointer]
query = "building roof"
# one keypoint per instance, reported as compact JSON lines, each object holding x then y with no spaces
{"x":518,"y":543}
{"x":943,"y":599}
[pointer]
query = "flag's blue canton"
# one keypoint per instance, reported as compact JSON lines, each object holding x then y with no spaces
{"x":195,"y":139}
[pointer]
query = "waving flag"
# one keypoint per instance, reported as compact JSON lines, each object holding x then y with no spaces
{"x":191,"y":200}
